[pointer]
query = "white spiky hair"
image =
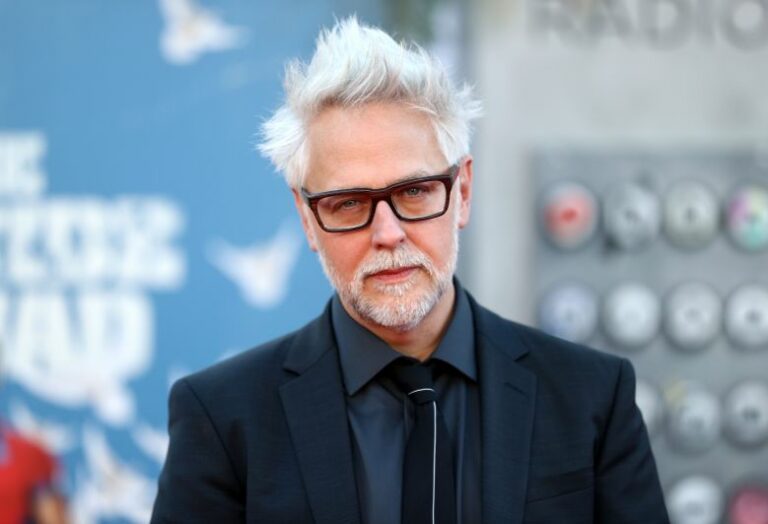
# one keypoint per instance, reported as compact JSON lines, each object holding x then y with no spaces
{"x":355,"y":64}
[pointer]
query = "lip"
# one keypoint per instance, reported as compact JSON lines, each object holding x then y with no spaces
{"x":391,"y":276}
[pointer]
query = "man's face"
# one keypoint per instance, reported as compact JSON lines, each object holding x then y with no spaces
{"x":391,"y":273}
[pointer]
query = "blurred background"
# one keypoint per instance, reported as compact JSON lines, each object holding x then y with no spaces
{"x":621,"y":200}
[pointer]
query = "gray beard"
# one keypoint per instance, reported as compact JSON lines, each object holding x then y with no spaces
{"x":399,"y":311}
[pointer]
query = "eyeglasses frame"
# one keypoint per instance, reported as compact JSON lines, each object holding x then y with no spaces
{"x":448,"y":178}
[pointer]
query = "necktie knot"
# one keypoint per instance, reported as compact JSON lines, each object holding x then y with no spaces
{"x":414,"y":379}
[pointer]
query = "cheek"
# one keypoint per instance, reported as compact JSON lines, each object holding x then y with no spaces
{"x":344,"y":253}
{"x":442,"y":253}
{"x":437,"y":241}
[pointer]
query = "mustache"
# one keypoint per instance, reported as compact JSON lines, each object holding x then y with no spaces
{"x":392,"y":260}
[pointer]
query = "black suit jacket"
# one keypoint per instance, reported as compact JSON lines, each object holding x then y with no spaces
{"x":264,"y":436}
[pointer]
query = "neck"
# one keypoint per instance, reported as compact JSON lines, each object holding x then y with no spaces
{"x":420,"y":341}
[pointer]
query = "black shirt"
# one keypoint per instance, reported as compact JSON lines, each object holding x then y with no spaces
{"x":380,"y":417}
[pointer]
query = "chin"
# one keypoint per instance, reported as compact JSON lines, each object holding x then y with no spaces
{"x":399,"y":309}
{"x":385,"y":292}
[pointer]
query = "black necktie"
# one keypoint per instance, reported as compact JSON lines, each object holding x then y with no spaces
{"x":428,"y":479}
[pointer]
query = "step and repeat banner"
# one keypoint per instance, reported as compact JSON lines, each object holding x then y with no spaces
{"x":141,"y":235}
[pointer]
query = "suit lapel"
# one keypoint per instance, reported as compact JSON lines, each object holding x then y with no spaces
{"x":507,"y":397}
{"x":316,"y":411}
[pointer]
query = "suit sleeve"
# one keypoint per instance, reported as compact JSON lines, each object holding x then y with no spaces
{"x":198,"y":481}
{"x":627,"y":483}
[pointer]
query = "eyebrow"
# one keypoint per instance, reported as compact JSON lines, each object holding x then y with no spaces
{"x":415,"y":175}
{"x":412,"y":176}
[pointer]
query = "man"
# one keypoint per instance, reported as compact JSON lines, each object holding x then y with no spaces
{"x":328,"y":423}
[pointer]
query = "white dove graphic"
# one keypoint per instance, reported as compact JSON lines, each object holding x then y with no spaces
{"x":110,"y":488}
{"x":261,"y":271}
{"x":55,"y":437}
{"x":191,"y":30}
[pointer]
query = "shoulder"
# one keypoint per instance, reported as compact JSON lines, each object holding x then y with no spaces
{"x":562,"y":354}
{"x":259,"y":371}
{"x":576,"y":387}
{"x":255,"y":364}
{"x":555,"y":362}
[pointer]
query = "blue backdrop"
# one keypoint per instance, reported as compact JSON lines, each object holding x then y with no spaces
{"x":141,"y":236}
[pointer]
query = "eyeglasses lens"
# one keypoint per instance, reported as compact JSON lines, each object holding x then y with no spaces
{"x":420,"y":199}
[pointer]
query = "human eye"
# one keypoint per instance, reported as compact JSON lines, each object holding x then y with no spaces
{"x":415,"y":191}
{"x":347,"y":204}
{"x":344,"y":203}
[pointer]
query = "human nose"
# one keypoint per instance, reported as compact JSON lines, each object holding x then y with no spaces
{"x":387,"y":231}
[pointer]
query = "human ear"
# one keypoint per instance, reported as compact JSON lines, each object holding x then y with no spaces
{"x":465,"y":190}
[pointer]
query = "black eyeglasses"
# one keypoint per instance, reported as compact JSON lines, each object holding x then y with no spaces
{"x":411,"y":200}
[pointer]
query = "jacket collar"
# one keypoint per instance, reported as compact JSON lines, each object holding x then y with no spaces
{"x":315,"y":408}
{"x":316,"y":412}
{"x":310,"y":343}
